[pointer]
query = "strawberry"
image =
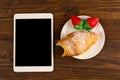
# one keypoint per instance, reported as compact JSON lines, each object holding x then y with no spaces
{"x":92,"y":22}
{"x":75,"y":20}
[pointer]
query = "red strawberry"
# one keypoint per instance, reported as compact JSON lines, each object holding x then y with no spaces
{"x":92,"y":22}
{"x":75,"y":20}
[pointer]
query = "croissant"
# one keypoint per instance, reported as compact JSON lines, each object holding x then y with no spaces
{"x":77,"y":42}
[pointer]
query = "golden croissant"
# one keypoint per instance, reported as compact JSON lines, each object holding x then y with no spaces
{"x":77,"y":42}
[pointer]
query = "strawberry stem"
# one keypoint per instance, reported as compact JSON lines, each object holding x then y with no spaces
{"x":83,"y":25}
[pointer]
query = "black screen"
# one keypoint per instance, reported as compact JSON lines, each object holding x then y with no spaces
{"x":33,"y":42}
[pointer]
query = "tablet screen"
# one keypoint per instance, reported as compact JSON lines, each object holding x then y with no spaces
{"x":33,"y":42}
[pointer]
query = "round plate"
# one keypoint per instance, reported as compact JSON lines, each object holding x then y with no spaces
{"x":93,"y":50}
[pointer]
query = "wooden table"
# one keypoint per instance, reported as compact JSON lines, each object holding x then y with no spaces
{"x":105,"y":66}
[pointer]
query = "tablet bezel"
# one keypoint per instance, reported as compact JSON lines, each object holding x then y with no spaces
{"x":33,"y":68}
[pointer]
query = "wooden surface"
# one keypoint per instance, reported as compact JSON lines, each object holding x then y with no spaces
{"x":105,"y":66}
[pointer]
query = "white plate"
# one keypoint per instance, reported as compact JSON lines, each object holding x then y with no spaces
{"x":96,"y":48}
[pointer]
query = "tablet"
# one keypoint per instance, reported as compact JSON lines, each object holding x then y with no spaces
{"x":33,"y":42}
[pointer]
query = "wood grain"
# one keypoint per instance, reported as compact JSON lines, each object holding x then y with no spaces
{"x":105,"y":66}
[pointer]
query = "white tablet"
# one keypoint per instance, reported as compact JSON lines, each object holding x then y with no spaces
{"x":33,"y":42}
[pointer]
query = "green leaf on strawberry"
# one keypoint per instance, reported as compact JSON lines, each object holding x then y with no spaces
{"x":86,"y":27}
{"x":77,"y":27}
{"x":81,"y":24}
{"x":85,"y":22}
